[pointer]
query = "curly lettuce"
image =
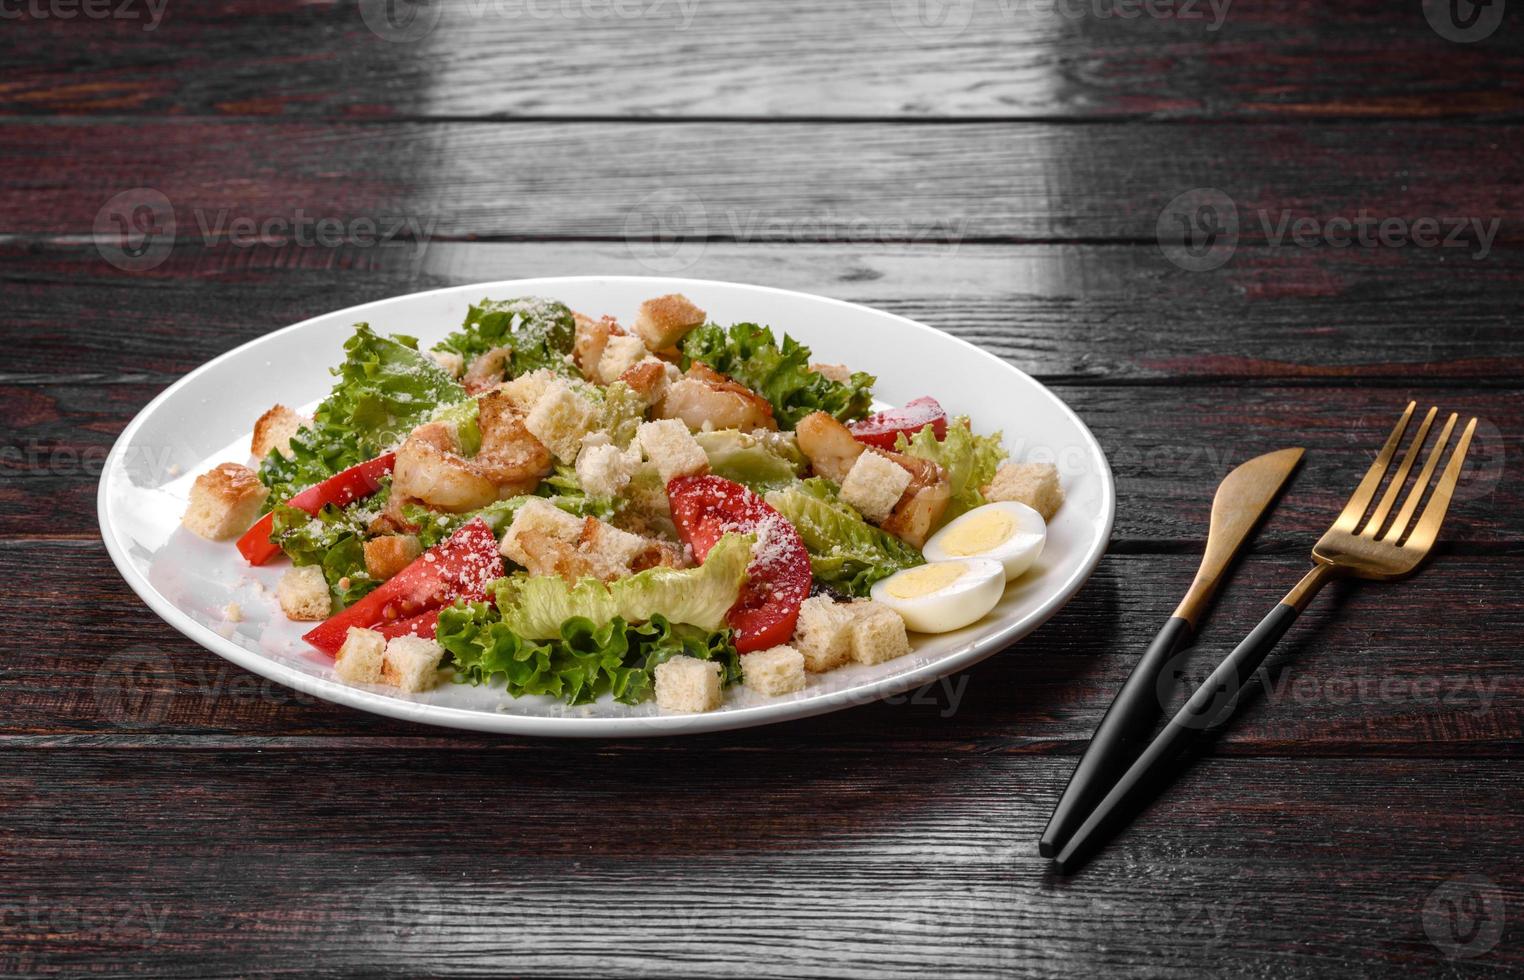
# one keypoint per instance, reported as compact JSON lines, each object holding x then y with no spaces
{"x":540,"y":332}
{"x":968,"y":460}
{"x":779,"y":372}
{"x":846,"y":552}
{"x":583,"y":661}
{"x":385,"y":387}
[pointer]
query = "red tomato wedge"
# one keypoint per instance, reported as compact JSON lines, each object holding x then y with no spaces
{"x":883,"y":429}
{"x":458,"y":568}
{"x":778,"y":578}
{"x":339,"y":489}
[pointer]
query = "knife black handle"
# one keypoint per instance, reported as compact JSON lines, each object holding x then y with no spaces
{"x":1118,"y":739}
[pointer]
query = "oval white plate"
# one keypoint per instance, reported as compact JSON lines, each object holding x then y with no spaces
{"x":205,"y":419}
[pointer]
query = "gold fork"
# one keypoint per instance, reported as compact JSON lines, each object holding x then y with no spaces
{"x":1362,"y":543}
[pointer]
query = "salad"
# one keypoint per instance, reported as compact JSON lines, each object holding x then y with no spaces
{"x":561,"y":506}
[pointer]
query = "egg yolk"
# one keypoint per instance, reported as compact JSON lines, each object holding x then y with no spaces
{"x":924,"y":579}
{"x":979,"y":533}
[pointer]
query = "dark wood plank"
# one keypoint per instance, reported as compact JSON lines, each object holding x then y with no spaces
{"x":784,"y":59}
{"x":1106,"y":314}
{"x":774,"y":863}
{"x":1168,"y":447}
{"x":867,"y":183}
{"x":1360,"y":675}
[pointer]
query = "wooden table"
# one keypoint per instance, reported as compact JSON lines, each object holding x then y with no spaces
{"x":1004,"y":181}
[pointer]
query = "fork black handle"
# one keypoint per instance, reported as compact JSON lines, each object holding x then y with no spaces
{"x":1213,"y":703}
{"x":1117,"y":739}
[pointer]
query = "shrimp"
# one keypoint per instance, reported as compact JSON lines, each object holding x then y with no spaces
{"x":828,"y":445}
{"x":486,"y":370}
{"x":429,"y":466}
{"x":706,"y":396}
{"x":591,"y":338}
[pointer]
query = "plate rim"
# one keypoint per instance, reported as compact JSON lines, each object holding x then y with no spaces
{"x":503,"y":723}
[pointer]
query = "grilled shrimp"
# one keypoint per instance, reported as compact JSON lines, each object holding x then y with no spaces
{"x":828,"y":445}
{"x":430,"y":468}
{"x":591,"y":338}
{"x":486,"y":370}
{"x":704,"y":395}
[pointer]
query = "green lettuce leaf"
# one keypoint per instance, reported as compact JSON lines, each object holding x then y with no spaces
{"x":846,"y":552}
{"x":385,"y":387}
{"x":760,"y":463}
{"x":583,"y":661}
{"x":535,"y":606}
{"x":333,"y":538}
{"x":968,"y":460}
{"x":781,"y":373}
{"x":540,"y":331}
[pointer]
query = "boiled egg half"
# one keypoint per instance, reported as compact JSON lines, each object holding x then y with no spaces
{"x":1012,"y":534}
{"x":943,"y":595}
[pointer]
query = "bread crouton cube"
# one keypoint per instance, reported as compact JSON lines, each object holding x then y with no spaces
{"x":389,"y":554}
{"x":359,"y":659}
{"x":450,"y":362}
{"x":877,"y":633}
{"x":538,"y":518}
{"x":411,"y":663}
{"x":603,"y":469}
{"x":688,"y":684}
{"x":274,"y":431}
{"x":836,"y":372}
{"x":303,"y":594}
{"x":560,"y":419}
{"x":525,"y":390}
{"x":650,"y":378}
{"x":665,"y":320}
{"x":610,"y":552}
{"x":224,"y":501}
{"x":823,"y":635}
{"x":874,"y":485}
{"x":1033,"y":484}
{"x":670,"y":445}
{"x":619,"y":355}
{"x":779,"y":670}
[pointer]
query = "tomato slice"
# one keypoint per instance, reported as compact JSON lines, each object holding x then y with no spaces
{"x":339,"y":489}
{"x":883,"y":429}
{"x":778,"y":578}
{"x":459,"y":568}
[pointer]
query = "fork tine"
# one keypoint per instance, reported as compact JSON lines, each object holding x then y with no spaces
{"x":1394,"y":534}
{"x":1427,"y":528}
{"x":1350,"y":516}
{"x":1378,"y":516}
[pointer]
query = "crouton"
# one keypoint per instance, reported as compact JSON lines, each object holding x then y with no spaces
{"x":603,"y":469}
{"x":619,"y":355}
{"x":779,"y":670}
{"x":650,"y":378}
{"x":877,"y":633}
{"x":836,"y":372}
{"x":560,"y":419}
{"x":411,"y":663}
{"x":688,"y":684}
{"x":525,"y":390}
{"x":450,"y":362}
{"x":1033,"y":484}
{"x":874,"y":485}
{"x":303,"y":594}
{"x":359,"y":659}
{"x":665,"y":320}
{"x":609,"y":552}
{"x":823,"y":635}
{"x":224,"y":501}
{"x":389,"y":554}
{"x":538,"y":519}
{"x":670,"y":445}
{"x":274,"y":431}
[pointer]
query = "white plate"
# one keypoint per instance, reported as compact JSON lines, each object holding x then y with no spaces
{"x":205,"y":419}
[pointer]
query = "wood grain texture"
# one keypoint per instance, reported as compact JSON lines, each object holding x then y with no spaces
{"x":770,"y":864}
{"x":1360,"y":675}
{"x":791,"y":182}
{"x":788,"y":58}
{"x":1105,"y":314}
